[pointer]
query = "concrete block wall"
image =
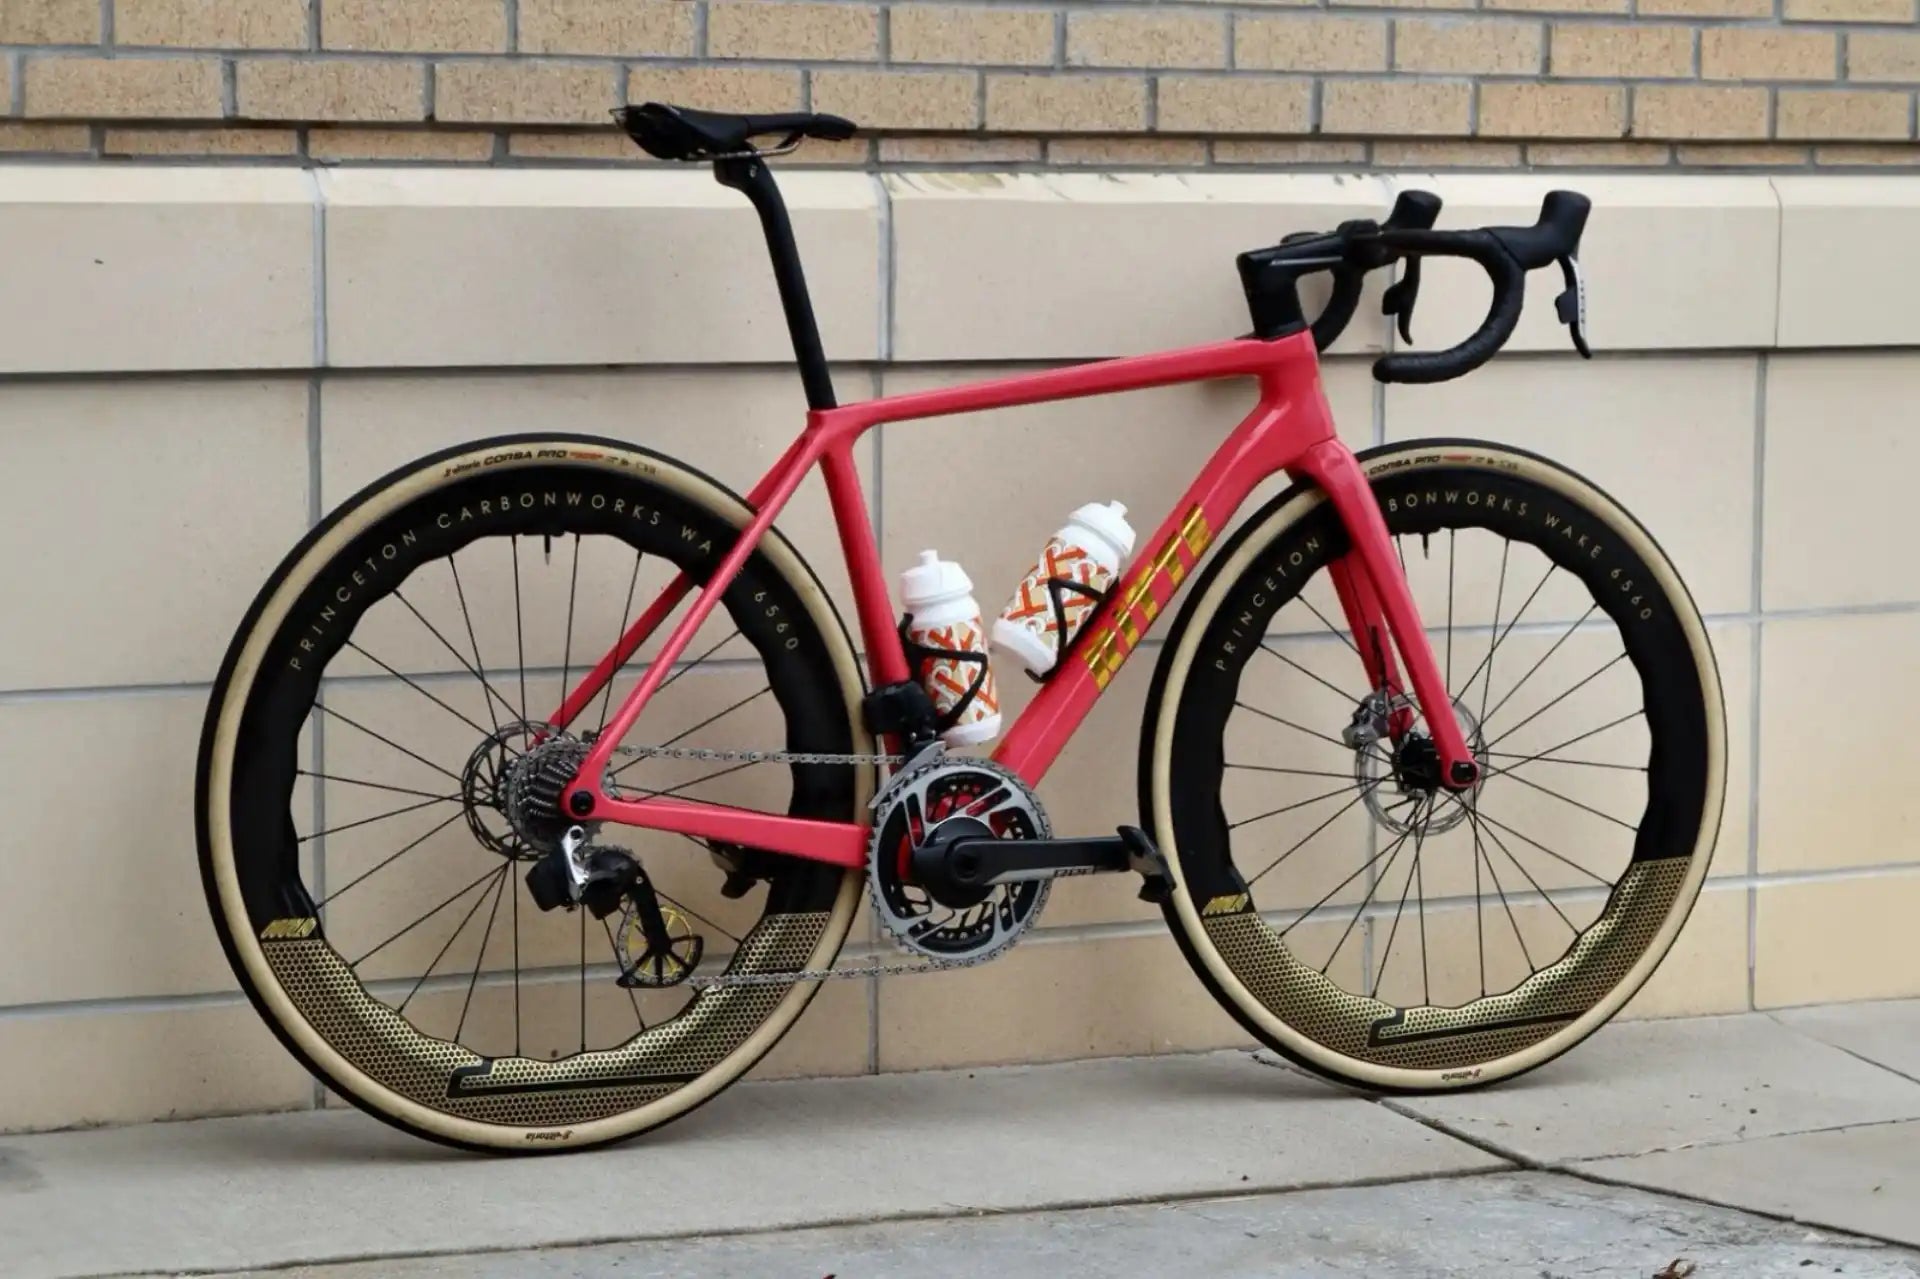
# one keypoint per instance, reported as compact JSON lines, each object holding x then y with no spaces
{"x":197,"y":362}
{"x":1487,"y":83}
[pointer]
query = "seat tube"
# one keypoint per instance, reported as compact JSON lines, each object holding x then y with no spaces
{"x":750,"y":176}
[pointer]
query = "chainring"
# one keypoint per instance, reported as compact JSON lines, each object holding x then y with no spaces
{"x":911,"y":809}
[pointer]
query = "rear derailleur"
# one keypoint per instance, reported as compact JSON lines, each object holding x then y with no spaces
{"x":655,"y":945}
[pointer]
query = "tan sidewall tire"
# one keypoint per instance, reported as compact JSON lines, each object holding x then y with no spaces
{"x":1185,"y":914}
{"x":230,"y":910}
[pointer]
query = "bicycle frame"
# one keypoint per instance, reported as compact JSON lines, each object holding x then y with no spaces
{"x":1289,"y":429}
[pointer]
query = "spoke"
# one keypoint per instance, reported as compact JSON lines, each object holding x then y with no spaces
{"x":1479,"y":919}
{"x":1499,"y":597}
{"x":458,"y":656}
{"x":1293,"y":772}
{"x":368,"y":821}
{"x":1339,"y":692}
{"x":1474,"y":819}
{"x":1338,"y":790}
{"x":1343,"y":636}
{"x":1449,"y":680}
{"x":1555,"y":702}
{"x":1556,"y":759}
{"x":519,"y":627}
{"x":1419,"y":837}
{"x":493,"y":913}
{"x":516,"y":970}
{"x":416,"y":687}
{"x":355,"y":781}
{"x":1290,"y":724}
{"x":697,"y":915}
{"x":1392,"y":853}
{"x":1491,"y":820}
{"x":328,"y":710}
{"x":1565,"y":636}
{"x":321,"y":904}
{"x":583,"y":979}
{"x":423,"y":919}
{"x":1565,"y":799}
{"x":1420,"y":889}
{"x":1542,"y":755}
{"x":1364,"y":792}
{"x":478,"y":665}
{"x":679,"y":737}
{"x":1502,"y":846}
{"x":566,"y":655}
{"x":632,"y":997}
{"x":1486,"y":662}
{"x":626,"y":611}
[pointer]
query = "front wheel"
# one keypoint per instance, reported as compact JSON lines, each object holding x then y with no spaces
{"x":1348,"y":912}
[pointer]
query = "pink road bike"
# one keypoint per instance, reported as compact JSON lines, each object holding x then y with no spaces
{"x":1431,"y":766}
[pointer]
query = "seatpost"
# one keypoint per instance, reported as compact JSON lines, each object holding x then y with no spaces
{"x":750,"y":175}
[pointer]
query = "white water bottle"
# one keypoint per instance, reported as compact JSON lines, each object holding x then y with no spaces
{"x":947,"y":649}
{"x":1076,"y":569}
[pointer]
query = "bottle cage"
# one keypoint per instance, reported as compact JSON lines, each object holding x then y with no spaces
{"x":920,"y":655}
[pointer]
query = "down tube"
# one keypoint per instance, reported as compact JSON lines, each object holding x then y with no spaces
{"x":1270,"y":437}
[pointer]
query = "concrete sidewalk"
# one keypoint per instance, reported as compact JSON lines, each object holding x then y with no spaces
{"x":1812,"y":1116}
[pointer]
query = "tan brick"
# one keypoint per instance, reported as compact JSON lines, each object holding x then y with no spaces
{"x":463,"y":145}
{"x":1263,"y":151}
{"x":1687,"y":111}
{"x":1405,"y":4}
{"x":1883,"y":57}
{"x":622,"y":28}
{"x":816,"y":32}
{"x":1849,"y":10}
{"x":900,"y":99}
{"x":1739,"y":154}
{"x":1310,"y":44}
{"x":1867,"y":154}
{"x":1607,"y":49}
{"x":207,"y":24}
{"x":1446,"y":155}
{"x":1374,"y":107}
{"x":986,"y":37}
{"x":522,"y":92}
{"x":201,"y":142}
{"x":1553,"y":110}
{"x":1598,"y":155}
{"x":415,"y":26}
{"x":1138,"y":152}
{"x":1146,"y":39}
{"x":1842,"y":114}
{"x":1561,"y":6}
{"x":1066,"y":103}
{"x":330,"y":89}
{"x":45,"y":139}
{"x":1465,"y":47}
{"x":1235,"y":104}
{"x":1761,"y":53}
{"x":573,"y":144}
{"x":50,"y":22}
{"x":748,"y":89}
{"x":1707,"y":8}
{"x":123,"y":88}
{"x":6,"y":83}
{"x":959,"y":150}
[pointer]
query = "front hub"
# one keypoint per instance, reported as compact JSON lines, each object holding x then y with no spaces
{"x":1402,"y":783}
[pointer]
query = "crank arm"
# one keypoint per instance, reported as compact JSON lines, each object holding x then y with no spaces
{"x":983,"y":862}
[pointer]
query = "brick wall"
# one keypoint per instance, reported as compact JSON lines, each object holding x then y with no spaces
{"x":1390,"y":82}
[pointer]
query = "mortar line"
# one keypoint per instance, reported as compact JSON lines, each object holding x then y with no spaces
{"x":1773,"y":1016}
{"x":1755,"y":656}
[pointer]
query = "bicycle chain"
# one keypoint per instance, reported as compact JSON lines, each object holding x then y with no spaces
{"x":715,"y":755}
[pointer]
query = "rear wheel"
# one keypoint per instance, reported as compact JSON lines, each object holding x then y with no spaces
{"x":1346,"y":910}
{"x":365,"y":865}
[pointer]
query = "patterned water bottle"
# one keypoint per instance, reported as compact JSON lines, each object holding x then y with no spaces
{"x":1076,"y":569}
{"x":946,"y":642}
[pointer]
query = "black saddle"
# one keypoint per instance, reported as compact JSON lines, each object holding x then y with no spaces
{"x":667,"y":132}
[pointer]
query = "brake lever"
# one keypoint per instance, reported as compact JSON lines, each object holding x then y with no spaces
{"x":1571,"y":305}
{"x":1400,"y":296}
